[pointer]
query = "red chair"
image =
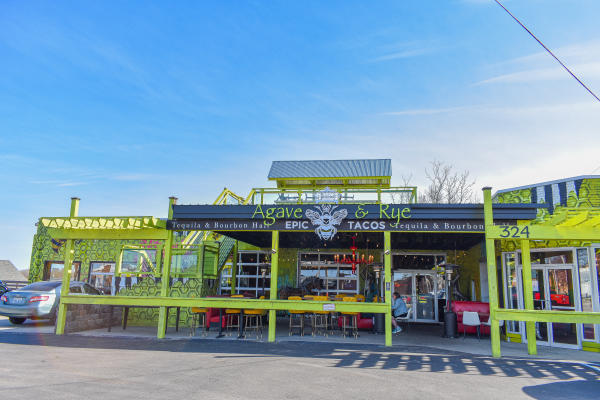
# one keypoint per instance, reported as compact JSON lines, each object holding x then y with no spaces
{"x":483,"y":309}
{"x":213,"y":315}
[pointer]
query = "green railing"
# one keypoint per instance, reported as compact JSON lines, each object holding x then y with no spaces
{"x":392,"y":195}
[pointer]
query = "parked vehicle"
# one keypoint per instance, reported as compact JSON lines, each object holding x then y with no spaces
{"x":38,"y":300}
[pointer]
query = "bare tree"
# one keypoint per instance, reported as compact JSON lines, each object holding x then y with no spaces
{"x":403,"y":197}
{"x":447,"y":185}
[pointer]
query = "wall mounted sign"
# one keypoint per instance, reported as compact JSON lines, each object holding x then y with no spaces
{"x":344,"y":226}
{"x":328,"y":219}
{"x":325,"y":221}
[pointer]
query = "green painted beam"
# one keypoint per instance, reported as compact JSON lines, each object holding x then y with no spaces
{"x":234,"y":260}
{"x":220,"y":302}
{"x":108,"y":234}
{"x":528,"y":295}
{"x":387,"y":266}
{"x":490,"y":249}
{"x":273,"y":288}
{"x":61,"y":317}
{"x":543,"y":232}
{"x":166,"y":276}
{"x":574,"y":317}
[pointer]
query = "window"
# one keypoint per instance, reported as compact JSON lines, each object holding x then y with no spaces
{"x":417,"y":261}
{"x":185,"y":261}
{"x":512,"y":292}
{"x":140,"y":260}
{"x":250,"y":268}
{"x":53,"y":270}
{"x":325,"y":273}
{"x":550,"y":257}
{"x":102,"y":276}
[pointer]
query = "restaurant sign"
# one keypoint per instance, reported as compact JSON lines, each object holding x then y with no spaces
{"x":328,"y":231}
{"x":326,"y":219}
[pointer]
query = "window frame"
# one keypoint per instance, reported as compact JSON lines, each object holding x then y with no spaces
{"x":155,"y":265}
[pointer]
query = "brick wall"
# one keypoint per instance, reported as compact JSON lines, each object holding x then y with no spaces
{"x":83,"y":317}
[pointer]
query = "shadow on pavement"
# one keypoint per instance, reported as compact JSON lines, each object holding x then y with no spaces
{"x":565,"y":390}
{"x":401,"y":358}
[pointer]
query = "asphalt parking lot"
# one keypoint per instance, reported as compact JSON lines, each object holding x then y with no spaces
{"x":39,"y":365}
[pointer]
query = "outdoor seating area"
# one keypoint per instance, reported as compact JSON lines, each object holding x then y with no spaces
{"x":227,"y":321}
{"x":473,"y":317}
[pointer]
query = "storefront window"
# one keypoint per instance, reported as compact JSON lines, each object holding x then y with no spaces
{"x":53,"y":270}
{"x":184,"y":261}
{"x":417,"y":261}
{"x":249,"y":278}
{"x":326,"y":273}
{"x":512,"y":288}
{"x":138,"y":261}
{"x":552,"y":257}
{"x":102,"y":276}
{"x":586,"y":286}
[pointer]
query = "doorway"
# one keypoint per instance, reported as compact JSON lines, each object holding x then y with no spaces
{"x":553,"y":289}
{"x":420,"y":291}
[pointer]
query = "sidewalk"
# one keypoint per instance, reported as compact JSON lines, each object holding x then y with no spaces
{"x":429,"y":336}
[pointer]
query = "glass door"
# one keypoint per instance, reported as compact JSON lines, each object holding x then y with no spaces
{"x":553,"y":289}
{"x":403,"y":285}
{"x":418,"y":290}
{"x":561,"y":296}
{"x":425,"y":297}
{"x":539,"y":302}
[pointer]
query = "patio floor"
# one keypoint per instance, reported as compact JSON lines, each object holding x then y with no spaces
{"x":417,"y":335}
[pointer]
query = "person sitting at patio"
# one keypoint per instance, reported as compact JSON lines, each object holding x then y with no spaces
{"x":399,"y":309}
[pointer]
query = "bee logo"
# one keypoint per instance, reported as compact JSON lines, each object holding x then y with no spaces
{"x":325,"y":220}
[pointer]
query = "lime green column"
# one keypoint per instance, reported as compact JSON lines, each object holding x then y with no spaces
{"x":234,"y":261}
{"x":528,"y":295}
{"x":273,"y":288}
{"x":387,"y":266}
{"x":491,"y":266}
{"x":166,"y":275}
{"x":66,"y":278}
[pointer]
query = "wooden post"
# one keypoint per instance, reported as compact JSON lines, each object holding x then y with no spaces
{"x":387,"y":264}
{"x":165,"y":276}
{"x":528,"y":295}
{"x":492,"y":275}
{"x":273,"y":288}
{"x":66,"y":278}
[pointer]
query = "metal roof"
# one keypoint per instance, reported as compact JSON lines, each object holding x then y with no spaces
{"x":330,"y":168}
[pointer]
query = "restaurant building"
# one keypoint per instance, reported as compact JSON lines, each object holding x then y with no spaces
{"x":338,"y":230}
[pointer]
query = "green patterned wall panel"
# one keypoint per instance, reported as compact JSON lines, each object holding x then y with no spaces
{"x":515,"y":196}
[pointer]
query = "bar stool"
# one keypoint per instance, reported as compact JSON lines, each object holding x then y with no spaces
{"x":297,"y":314}
{"x":310,"y":314}
{"x":231,"y":315}
{"x":198,"y":314}
{"x":254,"y":320}
{"x":353,"y":316}
{"x":320,"y":319}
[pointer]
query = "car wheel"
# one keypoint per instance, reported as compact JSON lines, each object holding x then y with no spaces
{"x":16,"y":320}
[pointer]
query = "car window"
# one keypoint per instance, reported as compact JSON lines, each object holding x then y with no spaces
{"x":75,"y":289}
{"x":42,"y":286}
{"x":90,"y":289}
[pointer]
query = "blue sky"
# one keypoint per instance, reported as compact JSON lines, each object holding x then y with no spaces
{"x":124,"y":104}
